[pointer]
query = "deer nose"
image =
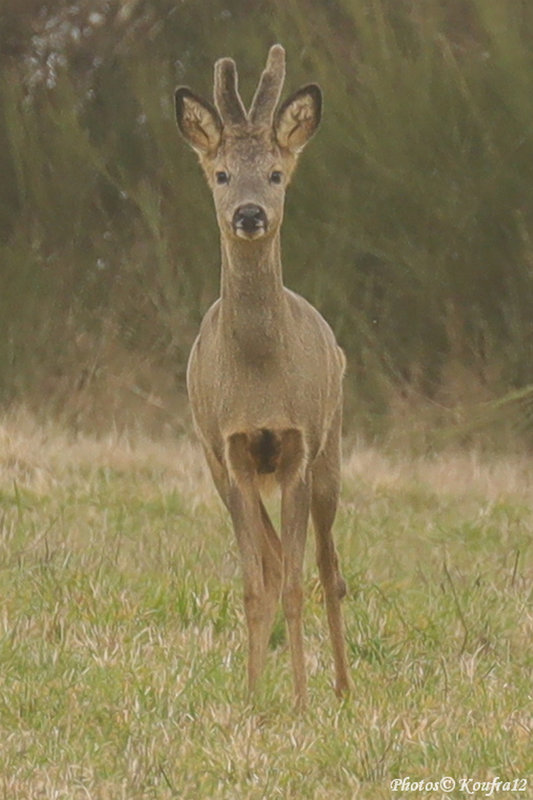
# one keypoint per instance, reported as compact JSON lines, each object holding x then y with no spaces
{"x":249,"y":218}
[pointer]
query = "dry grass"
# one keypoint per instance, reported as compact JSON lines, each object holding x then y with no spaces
{"x":34,"y":454}
{"x":458,"y":473}
{"x":121,"y":632}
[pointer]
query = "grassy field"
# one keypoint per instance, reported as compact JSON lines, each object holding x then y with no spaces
{"x":122,"y":636}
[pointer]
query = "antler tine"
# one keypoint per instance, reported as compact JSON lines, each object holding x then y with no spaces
{"x":226,"y":93}
{"x":269,"y":88}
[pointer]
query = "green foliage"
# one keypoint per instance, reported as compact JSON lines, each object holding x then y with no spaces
{"x":409,"y":224}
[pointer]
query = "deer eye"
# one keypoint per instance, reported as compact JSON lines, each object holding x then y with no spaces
{"x":221,"y":177}
{"x":276,"y":176}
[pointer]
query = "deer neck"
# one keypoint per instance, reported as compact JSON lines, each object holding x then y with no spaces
{"x":252,"y":297}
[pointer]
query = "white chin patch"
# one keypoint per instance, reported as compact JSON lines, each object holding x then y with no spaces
{"x":257,"y":233}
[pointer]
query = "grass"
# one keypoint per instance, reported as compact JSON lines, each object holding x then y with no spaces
{"x":122,"y":653}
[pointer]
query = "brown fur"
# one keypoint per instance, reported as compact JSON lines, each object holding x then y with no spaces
{"x":265,"y":449}
{"x":265,"y":373}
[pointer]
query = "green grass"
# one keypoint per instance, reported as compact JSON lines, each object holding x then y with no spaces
{"x":122,"y":654}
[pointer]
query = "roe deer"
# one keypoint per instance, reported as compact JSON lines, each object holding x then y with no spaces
{"x":265,"y":372}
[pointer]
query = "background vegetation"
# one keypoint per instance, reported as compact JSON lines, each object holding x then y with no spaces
{"x":409,"y":223}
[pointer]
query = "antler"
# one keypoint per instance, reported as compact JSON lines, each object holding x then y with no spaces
{"x":269,"y":88}
{"x":226,"y":93}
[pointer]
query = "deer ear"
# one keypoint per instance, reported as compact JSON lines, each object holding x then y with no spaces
{"x":198,"y":121}
{"x":298,"y":118}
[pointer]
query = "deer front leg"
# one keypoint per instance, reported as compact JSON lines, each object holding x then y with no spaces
{"x":260,"y":549}
{"x":247,"y":524}
{"x":295,"y":504}
{"x":294,"y":520}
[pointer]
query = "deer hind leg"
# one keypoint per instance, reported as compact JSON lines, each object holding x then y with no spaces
{"x":294,"y":478}
{"x":324,"y":501}
{"x":272,"y":569}
{"x":260,"y":552}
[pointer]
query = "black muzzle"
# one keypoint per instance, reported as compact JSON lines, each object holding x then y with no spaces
{"x":249,"y":219}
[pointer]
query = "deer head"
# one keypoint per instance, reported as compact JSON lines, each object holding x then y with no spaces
{"x":248,"y":156}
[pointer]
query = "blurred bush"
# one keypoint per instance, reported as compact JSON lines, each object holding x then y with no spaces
{"x":408,"y":225}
